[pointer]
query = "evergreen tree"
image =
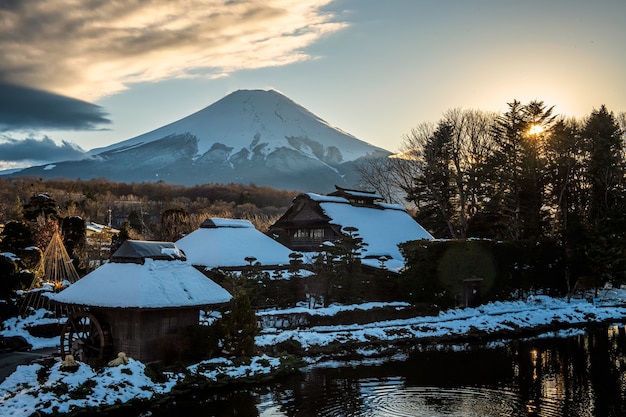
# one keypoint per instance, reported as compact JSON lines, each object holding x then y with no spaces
{"x":240,"y":326}
{"x":175,"y":223}
{"x":74,"y":232}
{"x":564,"y":153}
{"x":135,"y":220}
{"x":40,"y":205}
{"x":605,"y":166}
{"x":441,"y":170}
{"x":121,"y":237}
{"x":519,"y":167}
{"x":607,"y":203}
{"x":295,"y":277}
{"x":433,"y":187}
{"x":506,"y":163}
{"x":338,"y":268}
{"x":325,"y":266}
{"x":10,"y":279}
{"x":15,"y":237}
{"x":43,"y":231}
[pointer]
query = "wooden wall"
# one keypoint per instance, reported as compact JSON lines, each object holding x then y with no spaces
{"x":144,"y":334}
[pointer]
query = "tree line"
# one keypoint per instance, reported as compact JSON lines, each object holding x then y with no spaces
{"x":525,"y":174}
{"x":144,"y":204}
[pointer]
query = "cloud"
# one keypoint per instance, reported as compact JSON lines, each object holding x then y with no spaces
{"x":23,"y":108}
{"x":93,"y":48}
{"x":37,"y":150}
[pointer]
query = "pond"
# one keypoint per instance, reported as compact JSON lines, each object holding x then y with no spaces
{"x":574,"y":373}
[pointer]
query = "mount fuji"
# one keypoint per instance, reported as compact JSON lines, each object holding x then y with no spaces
{"x":249,"y":136}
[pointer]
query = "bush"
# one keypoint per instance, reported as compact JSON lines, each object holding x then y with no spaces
{"x":439,"y":272}
{"x":11,"y":278}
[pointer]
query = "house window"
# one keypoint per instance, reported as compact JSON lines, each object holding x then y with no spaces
{"x":309,"y":234}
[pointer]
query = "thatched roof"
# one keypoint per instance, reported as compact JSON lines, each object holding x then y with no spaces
{"x":136,"y":251}
{"x":223,"y":242}
{"x":157,"y":281}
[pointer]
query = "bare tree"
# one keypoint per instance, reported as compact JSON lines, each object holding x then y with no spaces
{"x":380,"y":174}
{"x":440,"y":167}
{"x":410,"y":163}
{"x":470,"y":146}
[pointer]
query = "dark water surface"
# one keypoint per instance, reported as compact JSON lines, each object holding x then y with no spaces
{"x":583,"y":374}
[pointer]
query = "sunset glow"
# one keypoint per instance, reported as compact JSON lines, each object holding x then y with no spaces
{"x":535,"y":130}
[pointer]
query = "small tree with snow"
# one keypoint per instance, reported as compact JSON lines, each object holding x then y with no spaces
{"x":338,"y":268}
{"x":240,"y":326}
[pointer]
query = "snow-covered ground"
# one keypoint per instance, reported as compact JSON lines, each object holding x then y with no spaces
{"x":51,"y":389}
{"x":489,"y":318}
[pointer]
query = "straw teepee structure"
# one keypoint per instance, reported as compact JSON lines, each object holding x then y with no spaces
{"x":54,"y":272}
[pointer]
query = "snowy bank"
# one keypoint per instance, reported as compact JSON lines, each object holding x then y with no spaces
{"x":49,"y":389}
{"x":52,"y":390}
{"x":492,"y":318}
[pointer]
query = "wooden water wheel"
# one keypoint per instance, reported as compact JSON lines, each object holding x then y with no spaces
{"x":85,"y":338}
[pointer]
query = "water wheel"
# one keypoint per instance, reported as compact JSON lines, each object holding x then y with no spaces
{"x":85,"y":338}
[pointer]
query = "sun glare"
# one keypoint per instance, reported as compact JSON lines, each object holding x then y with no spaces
{"x":535,"y":130}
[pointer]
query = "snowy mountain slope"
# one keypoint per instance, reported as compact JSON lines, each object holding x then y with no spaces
{"x":249,"y":136}
{"x":253,"y":119}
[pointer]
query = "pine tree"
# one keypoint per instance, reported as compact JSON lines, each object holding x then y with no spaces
{"x":506,"y":163}
{"x":519,"y":167}
{"x":40,"y":205}
{"x":564,"y":153}
{"x":240,"y":326}
{"x":607,"y":196}
{"x":433,"y":187}
{"x":15,"y":237}
{"x":121,"y":237}
{"x":605,"y":167}
{"x":337,"y":267}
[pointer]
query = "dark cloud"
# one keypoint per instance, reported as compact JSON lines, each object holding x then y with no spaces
{"x":23,"y":108}
{"x":43,"y":150}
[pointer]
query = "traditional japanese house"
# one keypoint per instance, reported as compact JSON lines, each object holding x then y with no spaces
{"x":313,"y":219}
{"x":137,"y":303}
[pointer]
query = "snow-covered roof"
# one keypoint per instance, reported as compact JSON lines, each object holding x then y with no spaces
{"x":329,"y":198}
{"x":99,"y":228}
{"x":138,"y":250}
{"x":356,"y":193}
{"x":216,"y":222}
{"x":227,"y":242}
{"x":155,"y":284}
{"x":383,"y":226}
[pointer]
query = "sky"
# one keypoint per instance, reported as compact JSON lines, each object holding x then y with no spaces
{"x":82,"y":74}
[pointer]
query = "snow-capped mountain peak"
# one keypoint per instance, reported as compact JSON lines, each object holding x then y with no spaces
{"x":249,"y":136}
{"x":257,"y":119}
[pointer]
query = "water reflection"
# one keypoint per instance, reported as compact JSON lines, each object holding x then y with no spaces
{"x":582,"y":375}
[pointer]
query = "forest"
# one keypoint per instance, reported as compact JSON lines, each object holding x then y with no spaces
{"x":146,"y":206}
{"x":524,"y":175}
